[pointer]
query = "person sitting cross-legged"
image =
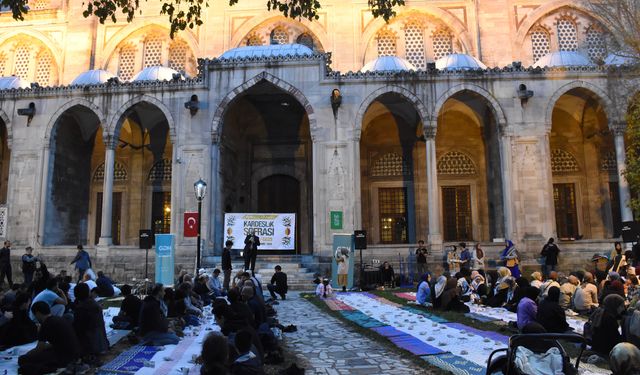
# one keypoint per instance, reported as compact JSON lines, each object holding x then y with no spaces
{"x":324,"y":289}
{"x":154,"y":327}
{"x":550,"y":314}
{"x":215,"y":354}
{"x":248,"y":362}
{"x":278,"y":284}
{"x":106,"y":286}
{"x":423,"y":294}
{"x":53,"y":297}
{"x":57,"y":343}
{"x":527,"y":307}
{"x":20,"y":329}
{"x":129,"y":310}
{"x":88,"y":323}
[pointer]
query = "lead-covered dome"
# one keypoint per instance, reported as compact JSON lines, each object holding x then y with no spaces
{"x":156,"y":73}
{"x":13,"y":82}
{"x":273,"y":50}
{"x":459,"y":61}
{"x":563,"y":58}
{"x":92,"y":77}
{"x":618,"y":59}
{"x":388,"y":64}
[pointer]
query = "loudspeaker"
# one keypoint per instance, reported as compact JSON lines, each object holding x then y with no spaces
{"x":630,"y":231}
{"x":361,"y":239}
{"x":146,"y":239}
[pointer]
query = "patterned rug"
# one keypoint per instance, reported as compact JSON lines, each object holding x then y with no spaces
{"x":130,"y":361}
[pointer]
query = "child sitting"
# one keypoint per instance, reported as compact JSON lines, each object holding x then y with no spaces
{"x":324,"y":289}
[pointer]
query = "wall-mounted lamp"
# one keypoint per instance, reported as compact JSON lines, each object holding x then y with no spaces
{"x":113,"y":81}
{"x":34,"y":85}
{"x":516,"y":65}
{"x":336,"y":101}
{"x":524,"y":94}
{"x":177,"y":77}
{"x":30,"y":111}
{"x":192,"y":105}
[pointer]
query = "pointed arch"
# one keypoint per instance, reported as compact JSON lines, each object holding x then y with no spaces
{"x":410,"y":96}
{"x":495,"y":106}
{"x":218,"y":117}
{"x":7,"y":126}
{"x":115,"y":121}
{"x":604,"y":99}
{"x":66,"y":106}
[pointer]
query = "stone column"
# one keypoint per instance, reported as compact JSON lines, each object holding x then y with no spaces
{"x":110,"y":143}
{"x":216,"y":227}
{"x":44,"y":185}
{"x":623,"y":185}
{"x":507,"y":204}
{"x":433,"y":191}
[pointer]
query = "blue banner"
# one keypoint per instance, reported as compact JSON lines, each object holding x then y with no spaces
{"x":165,"y":251}
{"x":343,"y":242}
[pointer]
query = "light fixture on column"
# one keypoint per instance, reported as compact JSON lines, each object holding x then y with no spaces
{"x":30,"y":111}
{"x":192,"y":105}
{"x":200,"y":188}
{"x":524,"y":94}
{"x":336,"y":101}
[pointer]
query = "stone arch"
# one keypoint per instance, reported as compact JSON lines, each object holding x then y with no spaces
{"x":314,"y":28}
{"x":495,"y":106}
{"x":116,"y":120}
{"x":48,"y":43}
{"x":458,"y":29}
{"x":218,"y":117}
{"x":111,"y":46}
{"x":601,"y":95}
{"x":72,"y":103}
{"x":7,"y":126}
{"x":531,"y":19}
{"x":410,"y":96}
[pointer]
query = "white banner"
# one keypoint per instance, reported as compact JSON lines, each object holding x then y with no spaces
{"x":276,"y":231}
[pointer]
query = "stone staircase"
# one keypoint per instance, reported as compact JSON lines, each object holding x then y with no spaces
{"x":299,"y":277}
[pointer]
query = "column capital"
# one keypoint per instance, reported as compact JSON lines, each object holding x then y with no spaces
{"x":110,"y":141}
{"x":430,"y":132}
{"x":618,"y":127}
{"x":215,"y":138}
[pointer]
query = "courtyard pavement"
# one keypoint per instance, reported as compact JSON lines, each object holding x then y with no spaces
{"x":326,"y":345}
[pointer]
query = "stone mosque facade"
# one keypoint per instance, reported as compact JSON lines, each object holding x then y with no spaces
{"x":471,"y":121}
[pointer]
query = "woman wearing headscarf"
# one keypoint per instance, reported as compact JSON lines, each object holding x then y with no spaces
{"x":604,"y":324}
{"x":518,"y":293}
{"x":550,"y":314}
{"x":527,"y":307}
{"x":501,"y":292}
{"x":536,"y":279}
{"x":423,"y":293}
{"x":479,"y":288}
{"x":510,"y":257}
{"x":624,"y":359}
{"x":438,"y":287}
{"x":450,"y":299}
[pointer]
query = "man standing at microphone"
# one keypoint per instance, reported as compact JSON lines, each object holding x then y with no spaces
{"x":251,"y":243}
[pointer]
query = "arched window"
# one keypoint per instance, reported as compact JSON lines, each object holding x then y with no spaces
{"x":390,"y":165}
{"x":161,"y":171}
{"x":608,"y":161}
{"x":414,"y":44}
{"x":456,"y":163}
{"x":3,"y":64}
{"x":596,"y":47}
{"x":386,"y":43}
{"x":567,"y":35}
{"x":127,"y":62}
{"x":306,"y":40}
{"x":119,"y":172}
{"x":540,"y":45}
{"x":178,"y":56}
{"x":279,"y":36}
{"x":152,"y":52}
{"x":254,"y":40}
{"x":563,"y":162}
{"x":43,"y":68}
{"x":22,"y":59}
{"x":442,"y":43}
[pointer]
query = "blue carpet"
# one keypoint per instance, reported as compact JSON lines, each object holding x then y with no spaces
{"x":130,"y":361}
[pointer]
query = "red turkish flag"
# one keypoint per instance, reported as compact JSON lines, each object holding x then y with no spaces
{"x":191,"y":224}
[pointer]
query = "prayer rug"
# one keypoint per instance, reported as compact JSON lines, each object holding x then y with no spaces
{"x":337,"y":305}
{"x":428,"y":315}
{"x":381,"y":299}
{"x":481,"y":318}
{"x":130,"y":361}
{"x":408,"y":296}
{"x":455,"y":364}
{"x":387,"y":331}
{"x":414,"y":345}
{"x":361,"y":319}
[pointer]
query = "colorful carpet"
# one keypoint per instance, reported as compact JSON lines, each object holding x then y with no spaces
{"x":410,"y":296}
{"x":455,"y":364}
{"x":130,"y":361}
{"x":486,"y":334}
{"x":337,"y":305}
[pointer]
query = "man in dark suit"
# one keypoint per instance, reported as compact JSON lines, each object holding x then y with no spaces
{"x":251,"y":243}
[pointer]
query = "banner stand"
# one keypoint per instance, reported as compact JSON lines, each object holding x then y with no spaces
{"x":343,"y":241}
{"x":165,"y":254}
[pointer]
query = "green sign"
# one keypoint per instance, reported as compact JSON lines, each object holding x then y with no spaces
{"x":336,"y":219}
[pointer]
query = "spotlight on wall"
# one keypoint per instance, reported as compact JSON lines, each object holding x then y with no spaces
{"x":523,"y":93}
{"x":34,"y":85}
{"x":113,"y":81}
{"x":336,"y":100}
{"x":192,"y":105}
{"x":30,"y":111}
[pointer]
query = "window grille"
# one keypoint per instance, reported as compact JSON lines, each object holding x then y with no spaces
{"x":44,"y":65}
{"x":456,"y":163}
{"x":567,"y":35}
{"x":563,"y":162}
{"x":442,"y":44}
{"x":414,"y":44}
{"x":127,"y":63}
{"x":152,"y":52}
{"x":608,"y":162}
{"x":596,"y":47}
{"x":279,"y":36}
{"x":306,"y":40}
{"x":539,"y":44}
{"x":393,"y":219}
{"x":161,"y":171}
{"x":178,"y":56}
{"x":21,"y":61}
{"x":119,"y":172}
{"x":254,"y":40}
{"x":386,"y":44}
{"x":389,"y":165}
{"x":39,"y":4}
{"x":3,"y":64}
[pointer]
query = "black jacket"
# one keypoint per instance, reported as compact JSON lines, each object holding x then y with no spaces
{"x":552,"y":317}
{"x":151,"y":317}
{"x":226,"y":259}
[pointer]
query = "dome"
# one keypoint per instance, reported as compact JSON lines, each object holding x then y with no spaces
{"x":273,"y":50}
{"x":13,"y":82}
{"x":459,"y":61}
{"x":388,"y":64}
{"x":155,"y":73}
{"x":615,"y":59}
{"x":92,"y":77}
{"x":563,"y":58}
